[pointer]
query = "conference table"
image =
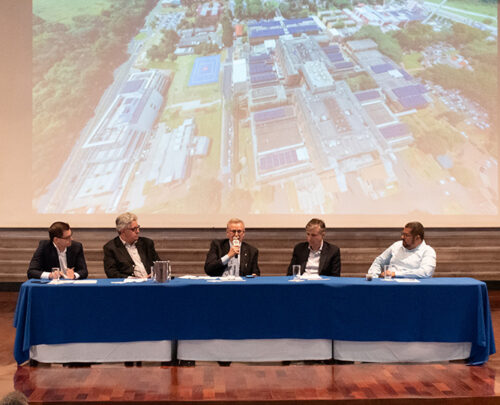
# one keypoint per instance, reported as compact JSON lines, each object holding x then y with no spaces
{"x":184,"y":309}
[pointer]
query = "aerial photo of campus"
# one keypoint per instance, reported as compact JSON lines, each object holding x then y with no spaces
{"x":265,"y":107}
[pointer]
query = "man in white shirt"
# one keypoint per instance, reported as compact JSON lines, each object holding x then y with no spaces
{"x":410,"y":257}
{"x":60,"y":252}
{"x":232,"y":252}
{"x":129,"y":255}
{"x":316,"y":256}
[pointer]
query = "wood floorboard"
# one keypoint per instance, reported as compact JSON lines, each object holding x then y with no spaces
{"x":207,"y":382}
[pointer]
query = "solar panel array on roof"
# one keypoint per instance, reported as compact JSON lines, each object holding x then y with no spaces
{"x":260,"y":68}
{"x":384,"y":67}
{"x":335,"y":57}
{"x":367,"y":95}
{"x":303,"y":28}
{"x":271,"y":114}
{"x":413,"y":15}
{"x":297,"y":20}
{"x":416,"y":101}
{"x":410,"y":90}
{"x":265,"y":23}
{"x":395,"y":131}
{"x":263,"y":77}
{"x":331,"y":49}
{"x":343,"y":65}
{"x":259,"y":58}
{"x":272,"y":32}
{"x":405,"y":74}
{"x":132,"y":86}
{"x":278,"y":159}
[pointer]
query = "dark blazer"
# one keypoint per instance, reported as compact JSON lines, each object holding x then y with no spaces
{"x":249,"y":257}
{"x":119,"y":264}
{"x":329,"y":261}
{"x":46,"y":257}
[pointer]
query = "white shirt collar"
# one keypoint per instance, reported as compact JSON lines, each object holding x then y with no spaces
{"x":57,"y":249}
{"x":316,"y":251}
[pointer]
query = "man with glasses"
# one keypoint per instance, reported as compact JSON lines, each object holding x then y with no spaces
{"x":232,"y":252}
{"x":61,"y":252}
{"x":129,"y":255}
{"x":409,"y":257}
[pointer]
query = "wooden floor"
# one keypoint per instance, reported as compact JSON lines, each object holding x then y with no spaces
{"x":451,"y":383}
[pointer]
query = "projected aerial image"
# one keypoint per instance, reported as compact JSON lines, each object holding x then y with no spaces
{"x":265,"y":107}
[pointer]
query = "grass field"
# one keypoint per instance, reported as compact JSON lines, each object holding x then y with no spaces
{"x":411,"y":61}
{"x":64,"y":11}
{"x":489,"y":9}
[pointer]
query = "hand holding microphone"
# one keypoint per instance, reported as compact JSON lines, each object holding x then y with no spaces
{"x":236,"y":247}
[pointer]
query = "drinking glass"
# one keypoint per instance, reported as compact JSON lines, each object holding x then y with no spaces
{"x":296,"y":271}
{"x":55,"y":273}
{"x":388,"y":272}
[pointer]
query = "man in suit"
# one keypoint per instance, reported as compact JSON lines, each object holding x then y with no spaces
{"x":59,"y":252}
{"x":232,"y":252}
{"x":316,"y":256}
{"x":129,"y":255}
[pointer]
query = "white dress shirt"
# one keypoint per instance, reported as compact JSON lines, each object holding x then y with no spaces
{"x":139,"y":269}
{"x":312,"y":265}
{"x":63,"y":264}
{"x":416,"y":263}
{"x":231,"y":261}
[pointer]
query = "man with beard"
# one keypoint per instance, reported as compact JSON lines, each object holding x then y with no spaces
{"x":409,"y":257}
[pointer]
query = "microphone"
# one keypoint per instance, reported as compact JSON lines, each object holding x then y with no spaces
{"x":236,"y":242}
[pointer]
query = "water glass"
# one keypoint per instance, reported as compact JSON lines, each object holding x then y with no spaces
{"x":388,"y":272}
{"x":55,"y":273}
{"x":296,"y":271}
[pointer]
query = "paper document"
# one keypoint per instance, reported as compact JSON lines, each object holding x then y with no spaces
{"x":306,"y":276}
{"x":130,"y":280}
{"x":56,"y":282}
{"x":406,"y":280}
{"x":190,"y":277}
{"x":224,"y":279}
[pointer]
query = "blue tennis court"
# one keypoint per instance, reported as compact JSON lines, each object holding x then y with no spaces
{"x":205,"y":70}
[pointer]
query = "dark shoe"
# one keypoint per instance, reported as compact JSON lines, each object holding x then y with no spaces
{"x":186,"y":363}
{"x":75,"y":364}
{"x":224,"y":363}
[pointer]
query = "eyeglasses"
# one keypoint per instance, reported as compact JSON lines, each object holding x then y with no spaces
{"x":406,"y":235}
{"x":238,"y":231}
{"x":135,"y":228}
{"x":66,"y":237}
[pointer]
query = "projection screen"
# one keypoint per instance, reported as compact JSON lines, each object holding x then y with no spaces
{"x":188,"y":113}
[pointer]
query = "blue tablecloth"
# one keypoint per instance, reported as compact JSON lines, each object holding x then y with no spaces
{"x":432,"y":310}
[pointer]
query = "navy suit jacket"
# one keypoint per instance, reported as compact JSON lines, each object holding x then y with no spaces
{"x":119,"y":264}
{"x":329,"y":261}
{"x":249,"y":258}
{"x":46,"y":257}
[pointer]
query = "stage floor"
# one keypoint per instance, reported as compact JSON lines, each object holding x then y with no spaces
{"x":453,"y":383}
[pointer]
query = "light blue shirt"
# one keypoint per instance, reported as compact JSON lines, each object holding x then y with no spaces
{"x":416,"y":263}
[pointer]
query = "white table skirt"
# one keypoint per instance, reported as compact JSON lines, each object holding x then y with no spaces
{"x":103,"y":352}
{"x":400,"y":352}
{"x":253,"y":350}
{"x":319,"y":349}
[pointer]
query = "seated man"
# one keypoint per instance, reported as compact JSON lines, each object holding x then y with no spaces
{"x":232,"y":251}
{"x":129,"y":255}
{"x":316,"y":256}
{"x":410,"y":256}
{"x":58,"y":252}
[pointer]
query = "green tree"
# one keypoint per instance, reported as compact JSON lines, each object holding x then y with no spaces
{"x":387,"y":44}
{"x":227,"y":31}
